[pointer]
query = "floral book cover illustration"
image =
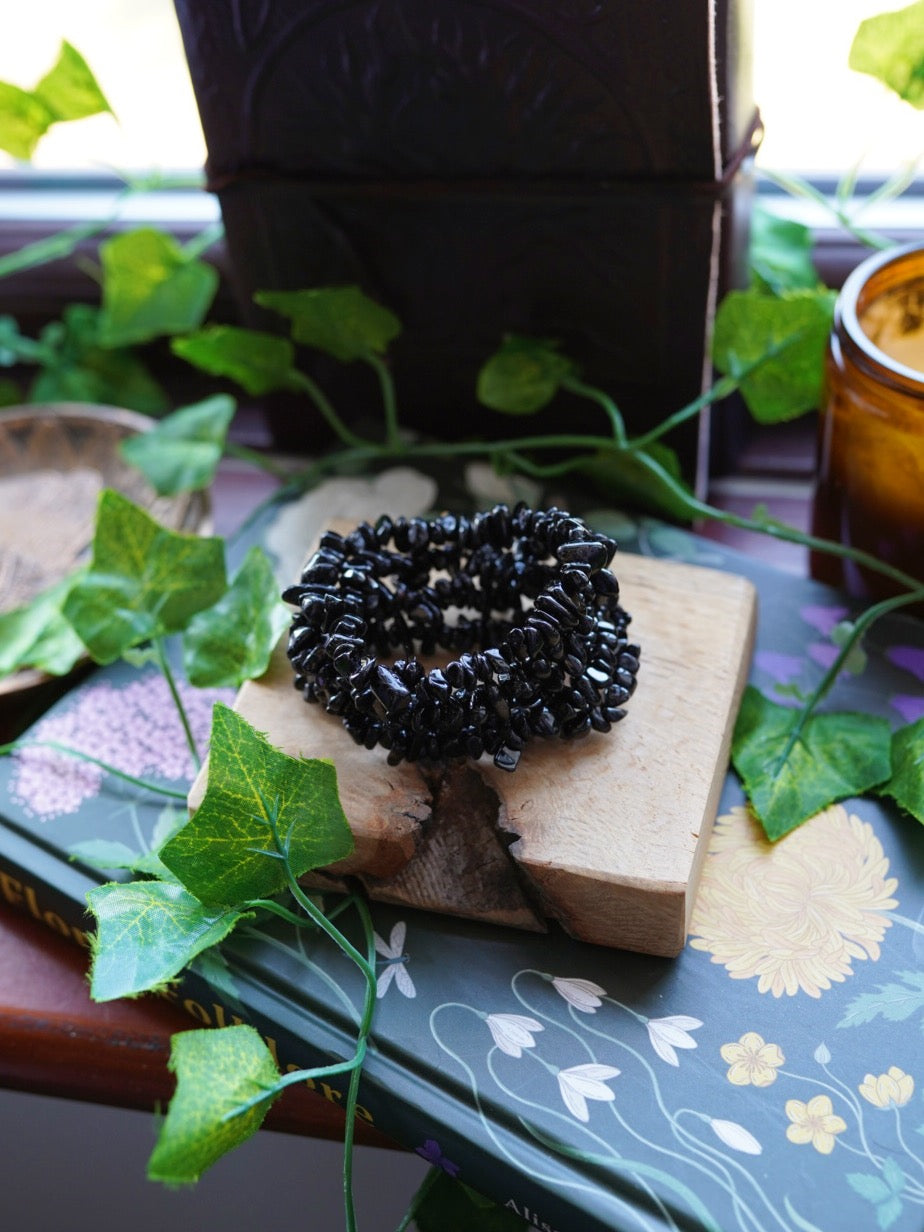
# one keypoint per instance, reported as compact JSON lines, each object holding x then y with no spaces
{"x":770,"y":1078}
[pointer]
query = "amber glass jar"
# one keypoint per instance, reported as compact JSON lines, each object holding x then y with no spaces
{"x":870,"y":490}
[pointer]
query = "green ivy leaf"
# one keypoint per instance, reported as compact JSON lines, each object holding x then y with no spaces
{"x":212,"y":966}
{"x":791,"y":690}
{"x":77,"y":369}
{"x":181,"y":453}
{"x":341,"y":321}
{"x":149,"y":864}
{"x":24,"y":120}
{"x":232,"y":641}
{"x":906,"y":786}
{"x":38,"y":635}
{"x":109,"y":854}
{"x":836,"y":755}
{"x":217,"y":1072}
{"x":103,"y":853}
{"x":170,"y":820}
{"x":450,"y":1206}
{"x":69,"y":90}
{"x":791,"y":331}
{"x":15,"y":347}
{"x":143,"y":580}
{"x":780,"y":255}
{"x":226,"y":853}
{"x":523,"y":376}
{"x":258,"y":362}
{"x":890,"y":47}
{"x":647,"y":479}
{"x":151,"y":287}
{"x":147,"y":932}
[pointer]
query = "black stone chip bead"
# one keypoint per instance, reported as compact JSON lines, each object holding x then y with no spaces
{"x":522,"y":599}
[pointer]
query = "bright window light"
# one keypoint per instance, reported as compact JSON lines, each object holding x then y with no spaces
{"x":820,"y":116}
{"x":136,"y":53}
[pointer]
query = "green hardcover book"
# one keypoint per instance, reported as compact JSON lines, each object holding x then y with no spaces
{"x":769,"y":1078}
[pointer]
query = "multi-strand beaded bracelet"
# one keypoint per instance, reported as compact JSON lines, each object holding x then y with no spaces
{"x":543,"y":652}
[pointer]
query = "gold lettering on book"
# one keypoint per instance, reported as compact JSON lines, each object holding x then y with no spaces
{"x":24,"y":897}
{"x":18,"y":894}
{"x":220,"y":1016}
{"x":332,"y":1095}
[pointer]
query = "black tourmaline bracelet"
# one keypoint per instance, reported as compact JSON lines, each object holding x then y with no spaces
{"x":545,"y":653}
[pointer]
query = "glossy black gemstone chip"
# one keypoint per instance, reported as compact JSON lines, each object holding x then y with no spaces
{"x":524,"y":601}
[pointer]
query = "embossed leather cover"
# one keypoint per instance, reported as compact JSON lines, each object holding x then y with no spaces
{"x":560,"y":170}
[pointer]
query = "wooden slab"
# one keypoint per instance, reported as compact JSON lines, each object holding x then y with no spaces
{"x":606,"y":835}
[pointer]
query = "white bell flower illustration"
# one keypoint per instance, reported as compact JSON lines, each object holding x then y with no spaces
{"x":583,"y":1082}
{"x":668,"y":1034}
{"x":513,"y":1032}
{"x":736,"y":1136}
{"x":584,"y":995}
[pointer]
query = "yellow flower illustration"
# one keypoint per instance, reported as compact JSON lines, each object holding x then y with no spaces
{"x":752,"y":1062}
{"x":814,"y":1122}
{"x":891,"y":1090}
{"x":793,"y":914}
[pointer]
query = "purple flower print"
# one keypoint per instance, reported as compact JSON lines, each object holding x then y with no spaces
{"x":433,"y":1154}
{"x":824,"y":653}
{"x":909,"y":658}
{"x":909,"y":706}
{"x":782,"y":667}
{"x":822,"y":618}
{"x":135,"y":728}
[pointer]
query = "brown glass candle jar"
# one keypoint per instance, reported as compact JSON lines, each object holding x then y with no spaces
{"x":870,"y":490}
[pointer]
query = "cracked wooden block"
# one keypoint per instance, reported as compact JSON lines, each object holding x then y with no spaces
{"x":603,"y":835}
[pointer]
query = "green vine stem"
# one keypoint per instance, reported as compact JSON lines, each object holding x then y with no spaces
{"x":721,"y":389}
{"x":774,"y":529}
{"x":365,"y":1027}
{"x":63,"y":243}
{"x":389,"y":401}
{"x":798,"y":187}
{"x":262,"y":461}
{"x":303,"y":383}
{"x":274,"y":908}
{"x":52,"y":248}
{"x":17,"y":746}
{"x":367,"y":967}
{"x":366,"y":964}
{"x":603,"y":399}
{"x":512,"y":449}
{"x":164,"y":665}
{"x":203,"y":241}
{"x":292,"y":1079}
{"x":860,"y":626}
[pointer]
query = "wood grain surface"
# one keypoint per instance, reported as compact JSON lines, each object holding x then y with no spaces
{"x":604,"y":835}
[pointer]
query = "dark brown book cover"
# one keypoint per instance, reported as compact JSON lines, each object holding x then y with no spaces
{"x":571,"y":171}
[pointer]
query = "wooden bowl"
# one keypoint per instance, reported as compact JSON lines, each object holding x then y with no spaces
{"x":55,"y":459}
